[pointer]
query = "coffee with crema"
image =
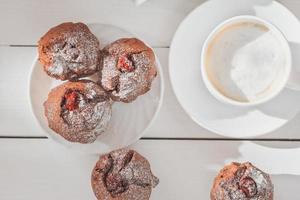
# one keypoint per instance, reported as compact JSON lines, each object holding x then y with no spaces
{"x":245,"y":61}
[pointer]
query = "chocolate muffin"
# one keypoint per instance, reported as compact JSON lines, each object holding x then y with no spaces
{"x":127,"y":70}
{"x":69,"y":51}
{"x":123,"y":175}
{"x":242,"y":182}
{"x":78,"y":111}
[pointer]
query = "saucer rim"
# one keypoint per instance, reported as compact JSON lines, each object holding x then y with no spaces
{"x":200,"y":122}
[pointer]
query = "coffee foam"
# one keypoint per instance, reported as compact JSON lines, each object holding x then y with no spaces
{"x":244,"y":61}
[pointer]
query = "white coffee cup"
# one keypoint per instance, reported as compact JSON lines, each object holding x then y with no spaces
{"x":246,"y":61}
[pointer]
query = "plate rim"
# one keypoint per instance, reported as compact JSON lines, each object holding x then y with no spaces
{"x":134,"y":140}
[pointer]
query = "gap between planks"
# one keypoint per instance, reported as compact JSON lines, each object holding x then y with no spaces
{"x":26,"y":45}
{"x":179,"y":139}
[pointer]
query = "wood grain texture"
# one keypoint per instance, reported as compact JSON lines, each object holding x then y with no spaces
{"x":15,"y":113}
{"x":39,"y":169}
{"x":16,"y":118}
{"x":23,"y":22}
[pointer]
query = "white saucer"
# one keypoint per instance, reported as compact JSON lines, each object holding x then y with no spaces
{"x":128,"y":122}
{"x":185,"y":75}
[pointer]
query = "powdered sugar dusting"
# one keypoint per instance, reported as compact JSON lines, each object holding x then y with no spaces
{"x":125,"y":175}
{"x":127,"y":85}
{"x":110,"y":74}
{"x":249,"y":183}
{"x":74,"y":53}
{"x":56,"y":69}
{"x":92,"y":116}
{"x":133,"y":83}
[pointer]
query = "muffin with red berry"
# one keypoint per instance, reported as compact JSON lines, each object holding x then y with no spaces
{"x":78,"y":111}
{"x":123,"y":174}
{"x":242,"y":182}
{"x":128,"y":68}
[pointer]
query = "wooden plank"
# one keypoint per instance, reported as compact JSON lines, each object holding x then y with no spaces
{"x":23,"y":22}
{"x":39,"y":169}
{"x":16,"y":118}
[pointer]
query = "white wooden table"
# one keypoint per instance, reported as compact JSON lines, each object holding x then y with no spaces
{"x":183,"y":155}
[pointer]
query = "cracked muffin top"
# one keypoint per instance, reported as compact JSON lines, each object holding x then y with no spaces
{"x":127,"y":69}
{"x":78,"y":111}
{"x":242,"y":182}
{"x":123,"y":175}
{"x":69,"y":51}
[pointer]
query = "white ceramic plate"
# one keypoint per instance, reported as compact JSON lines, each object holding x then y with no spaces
{"x":129,"y":121}
{"x":185,"y":75}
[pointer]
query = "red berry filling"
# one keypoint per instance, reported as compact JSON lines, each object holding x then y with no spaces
{"x":248,"y":186}
{"x":125,"y":64}
{"x":71,"y":100}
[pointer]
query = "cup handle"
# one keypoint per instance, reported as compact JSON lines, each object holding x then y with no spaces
{"x":294,"y":80}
